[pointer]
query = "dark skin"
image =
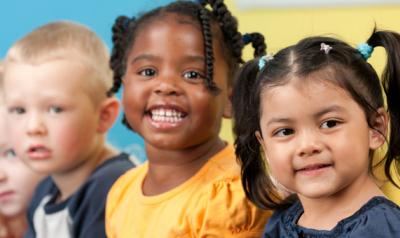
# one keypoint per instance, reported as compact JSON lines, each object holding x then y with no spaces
{"x":165,"y":71}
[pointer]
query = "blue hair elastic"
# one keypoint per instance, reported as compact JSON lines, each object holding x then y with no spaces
{"x":246,"y":38}
{"x":365,"y":50}
{"x":263,"y":60}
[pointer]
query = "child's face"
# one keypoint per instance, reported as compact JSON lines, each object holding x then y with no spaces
{"x":164,"y":97}
{"x":316,"y":138}
{"x":17,"y":181}
{"x":53,"y":119}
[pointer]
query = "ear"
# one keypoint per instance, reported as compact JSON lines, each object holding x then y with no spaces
{"x":260,"y":139}
{"x":228,"y":105}
{"x":377,"y":134}
{"x":109,"y":109}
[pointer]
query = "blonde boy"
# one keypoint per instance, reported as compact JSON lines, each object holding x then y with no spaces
{"x":55,"y":83}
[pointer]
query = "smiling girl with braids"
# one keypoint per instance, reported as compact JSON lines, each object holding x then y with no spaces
{"x":176,"y":64}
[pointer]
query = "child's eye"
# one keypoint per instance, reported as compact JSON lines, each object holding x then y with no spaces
{"x":9,"y":154}
{"x":193,"y":75}
{"x":329,"y":124}
{"x":16,"y":110}
{"x":147,"y":72}
{"x":55,"y":109}
{"x":283,"y":132}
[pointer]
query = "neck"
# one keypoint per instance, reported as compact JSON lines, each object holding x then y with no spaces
{"x":324,"y":213}
{"x":170,"y":168}
{"x":68,"y":182}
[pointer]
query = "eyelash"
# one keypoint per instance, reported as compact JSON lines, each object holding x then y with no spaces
{"x":16,"y":110}
{"x":280,"y":132}
{"x":143,"y":72}
{"x":10,"y":153}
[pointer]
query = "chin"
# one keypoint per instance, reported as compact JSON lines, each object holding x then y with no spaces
{"x":12,"y":211}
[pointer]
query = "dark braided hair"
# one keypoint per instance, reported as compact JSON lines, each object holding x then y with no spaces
{"x":344,"y":66}
{"x":216,"y":24}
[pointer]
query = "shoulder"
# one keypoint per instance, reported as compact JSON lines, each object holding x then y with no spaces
{"x":44,"y":188}
{"x":224,"y":202}
{"x":113,"y":167}
{"x":283,"y":221}
{"x":124,"y":184}
{"x":97,"y":186}
{"x":223,"y":165}
{"x":379,"y":217}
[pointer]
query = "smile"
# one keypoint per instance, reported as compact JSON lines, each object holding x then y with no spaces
{"x":167,"y":115}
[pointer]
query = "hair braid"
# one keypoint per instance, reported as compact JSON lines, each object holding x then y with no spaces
{"x":257,"y":41}
{"x":117,"y":61}
{"x":229,"y":27}
{"x":208,"y":50}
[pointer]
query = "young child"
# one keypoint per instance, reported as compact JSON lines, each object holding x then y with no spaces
{"x":176,"y":64}
{"x":17,"y":183}
{"x":317,"y":111}
{"x":56,"y":80}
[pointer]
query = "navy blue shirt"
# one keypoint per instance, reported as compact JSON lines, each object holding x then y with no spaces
{"x":378,"y":218}
{"x":82,"y":214}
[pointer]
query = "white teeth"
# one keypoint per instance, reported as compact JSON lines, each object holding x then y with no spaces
{"x":166,"y":115}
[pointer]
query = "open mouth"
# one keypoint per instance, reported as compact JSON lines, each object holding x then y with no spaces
{"x":38,"y":152}
{"x":168,"y":115}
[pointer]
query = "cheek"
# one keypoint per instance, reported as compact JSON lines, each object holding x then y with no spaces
{"x":278,"y":159}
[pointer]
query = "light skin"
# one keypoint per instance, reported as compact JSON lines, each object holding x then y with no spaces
{"x":17,"y":180}
{"x":57,"y":128}
{"x":167,"y":103}
{"x":317,"y":142}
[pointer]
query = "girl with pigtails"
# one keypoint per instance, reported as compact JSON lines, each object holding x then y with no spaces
{"x":176,"y":64}
{"x":309,"y":120}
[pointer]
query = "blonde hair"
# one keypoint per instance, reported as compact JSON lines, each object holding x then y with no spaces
{"x":67,"y":40}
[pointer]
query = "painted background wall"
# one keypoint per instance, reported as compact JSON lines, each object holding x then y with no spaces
{"x":281,"y":25}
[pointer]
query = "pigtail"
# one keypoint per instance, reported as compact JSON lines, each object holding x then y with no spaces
{"x":117,"y":59}
{"x":257,"y":41}
{"x":208,"y":50}
{"x":246,"y":116}
{"x":229,"y":27}
{"x":391,"y":85}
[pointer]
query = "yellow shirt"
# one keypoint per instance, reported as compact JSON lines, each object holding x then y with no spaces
{"x":210,"y":204}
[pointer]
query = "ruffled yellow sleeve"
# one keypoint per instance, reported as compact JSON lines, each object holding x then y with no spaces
{"x":225,"y":212}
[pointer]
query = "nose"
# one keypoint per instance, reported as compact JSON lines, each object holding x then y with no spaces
{"x":310,"y":144}
{"x":3,"y":175}
{"x":35,"y":124}
{"x":168,"y":85}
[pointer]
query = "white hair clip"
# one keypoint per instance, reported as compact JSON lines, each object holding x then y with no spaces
{"x":326,"y":48}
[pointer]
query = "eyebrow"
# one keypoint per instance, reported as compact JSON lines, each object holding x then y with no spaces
{"x":333,"y":108}
{"x":188,"y":58}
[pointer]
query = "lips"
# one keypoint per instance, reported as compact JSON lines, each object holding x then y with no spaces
{"x":6,"y":194}
{"x":313,"y":169}
{"x":39,"y":152}
{"x":166,"y":114}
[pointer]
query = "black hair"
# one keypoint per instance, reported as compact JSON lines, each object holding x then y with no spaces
{"x":344,"y":66}
{"x":219,"y":17}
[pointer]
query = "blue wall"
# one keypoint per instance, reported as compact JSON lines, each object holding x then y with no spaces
{"x":19,"y":17}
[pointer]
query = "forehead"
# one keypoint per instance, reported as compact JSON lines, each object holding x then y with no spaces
{"x":300,"y":95}
{"x":169,"y":32}
{"x":61,"y":75}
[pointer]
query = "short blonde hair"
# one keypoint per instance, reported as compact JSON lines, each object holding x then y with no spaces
{"x":67,"y":40}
